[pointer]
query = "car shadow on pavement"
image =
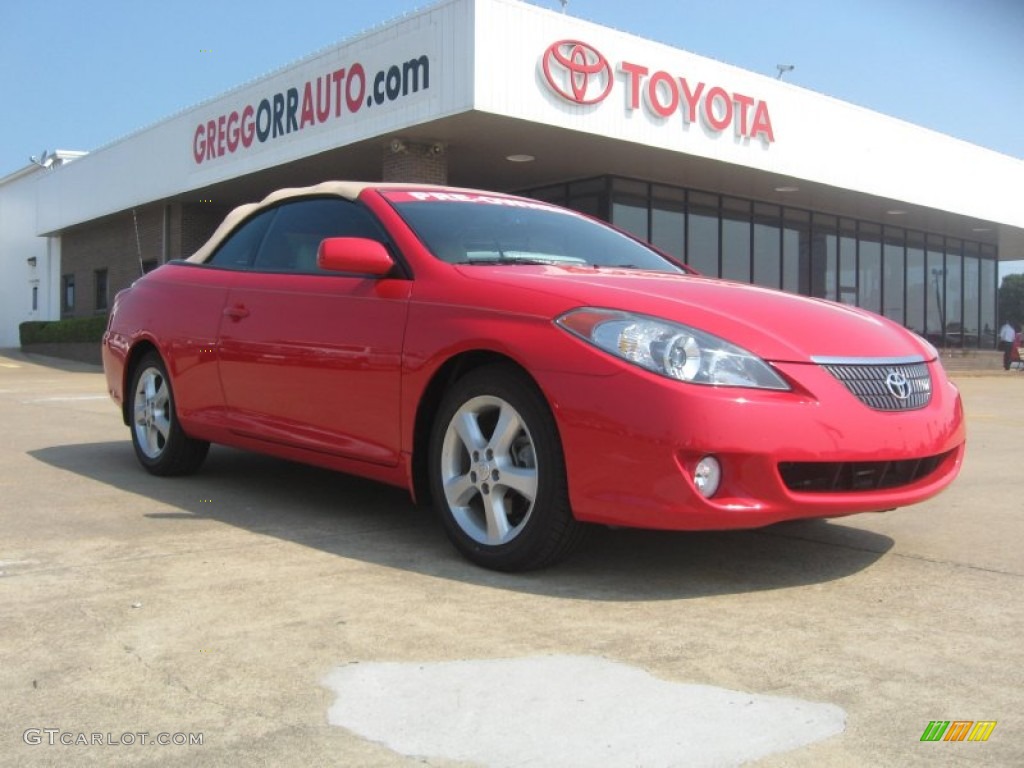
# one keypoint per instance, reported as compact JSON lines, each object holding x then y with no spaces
{"x":374,"y":523}
{"x":68,"y":365}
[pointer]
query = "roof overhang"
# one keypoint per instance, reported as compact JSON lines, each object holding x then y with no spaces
{"x":478,"y":145}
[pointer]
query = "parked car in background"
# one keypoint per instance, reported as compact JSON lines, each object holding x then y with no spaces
{"x":958,"y":336}
{"x":525,"y":369}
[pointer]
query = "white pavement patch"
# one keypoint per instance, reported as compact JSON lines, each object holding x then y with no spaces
{"x":566,"y":711}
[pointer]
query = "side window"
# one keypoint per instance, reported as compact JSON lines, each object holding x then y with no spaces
{"x":239,"y":250}
{"x":296,"y":232}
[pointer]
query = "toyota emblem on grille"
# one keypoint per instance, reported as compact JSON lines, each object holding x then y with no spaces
{"x":897,"y":385}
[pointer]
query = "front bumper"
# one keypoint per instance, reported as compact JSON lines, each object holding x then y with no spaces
{"x":633,"y":439}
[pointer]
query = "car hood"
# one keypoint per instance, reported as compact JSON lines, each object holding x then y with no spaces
{"x":774,"y":325}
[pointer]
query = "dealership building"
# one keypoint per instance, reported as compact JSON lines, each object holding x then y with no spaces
{"x":739,"y":174}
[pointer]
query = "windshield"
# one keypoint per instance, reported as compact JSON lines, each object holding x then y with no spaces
{"x":496,"y":230}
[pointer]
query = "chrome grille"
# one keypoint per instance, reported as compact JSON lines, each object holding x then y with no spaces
{"x":884,"y":385}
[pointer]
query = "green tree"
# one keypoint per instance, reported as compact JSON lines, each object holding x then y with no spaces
{"x":1011,"y":300}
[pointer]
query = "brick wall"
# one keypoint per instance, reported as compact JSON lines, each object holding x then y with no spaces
{"x":410,"y":161}
{"x":198,"y":221}
{"x":110,"y":243}
{"x":174,"y":214}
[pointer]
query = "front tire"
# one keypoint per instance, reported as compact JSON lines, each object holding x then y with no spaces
{"x":497,"y":472}
{"x":161,"y":446}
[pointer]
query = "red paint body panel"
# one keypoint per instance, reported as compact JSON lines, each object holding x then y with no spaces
{"x":315,"y":362}
{"x":178,"y":309}
{"x":332,"y":369}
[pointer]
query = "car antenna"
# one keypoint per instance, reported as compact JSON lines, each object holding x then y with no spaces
{"x":138,"y":242}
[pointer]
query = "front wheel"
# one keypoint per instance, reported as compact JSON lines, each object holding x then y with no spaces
{"x":161,"y":445}
{"x":497,"y":472}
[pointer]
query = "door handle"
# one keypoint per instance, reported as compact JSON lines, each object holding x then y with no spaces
{"x":237,"y":312}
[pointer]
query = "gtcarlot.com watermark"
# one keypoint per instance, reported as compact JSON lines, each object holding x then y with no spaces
{"x":55,"y":736}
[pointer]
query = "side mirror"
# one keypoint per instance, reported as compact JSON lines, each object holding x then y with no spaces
{"x":355,"y":255}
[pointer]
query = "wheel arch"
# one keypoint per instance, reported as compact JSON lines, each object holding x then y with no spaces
{"x":135,"y":354}
{"x":444,"y":377}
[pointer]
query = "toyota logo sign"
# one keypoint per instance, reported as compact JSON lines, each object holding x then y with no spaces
{"x":582,"y":76}
{"x":577,"y":72}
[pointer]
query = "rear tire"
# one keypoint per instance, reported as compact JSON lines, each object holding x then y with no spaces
{"x":161,"y":446}
{"x":497,"y":472}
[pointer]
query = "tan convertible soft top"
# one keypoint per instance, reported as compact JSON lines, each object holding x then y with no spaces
{"x":347,"y":189}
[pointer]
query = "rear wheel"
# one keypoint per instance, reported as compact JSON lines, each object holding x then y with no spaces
{"x":497,"y":472}
{"x":161,"y":445}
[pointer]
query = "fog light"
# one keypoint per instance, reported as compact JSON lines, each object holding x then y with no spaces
{"x":707,"y":476}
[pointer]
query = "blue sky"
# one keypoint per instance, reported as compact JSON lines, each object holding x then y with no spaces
{"x":78,"y":74}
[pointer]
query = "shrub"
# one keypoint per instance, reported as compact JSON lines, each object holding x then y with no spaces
{"x":75,"y":329}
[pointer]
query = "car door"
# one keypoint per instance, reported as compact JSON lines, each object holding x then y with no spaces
{"x":309,"y":358}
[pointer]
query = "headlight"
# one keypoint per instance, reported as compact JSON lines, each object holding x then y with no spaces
{"x":671,"y":349}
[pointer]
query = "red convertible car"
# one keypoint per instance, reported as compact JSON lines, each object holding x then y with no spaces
{"x":525,"y":368}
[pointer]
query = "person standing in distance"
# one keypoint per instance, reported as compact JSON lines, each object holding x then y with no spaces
{"x":1007,"y":338}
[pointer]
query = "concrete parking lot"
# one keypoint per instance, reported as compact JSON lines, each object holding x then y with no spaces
{"x":271,"y":609}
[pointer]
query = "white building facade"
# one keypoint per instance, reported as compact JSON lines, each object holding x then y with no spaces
{"x":739,"y":174}
{"x":29,"y":263}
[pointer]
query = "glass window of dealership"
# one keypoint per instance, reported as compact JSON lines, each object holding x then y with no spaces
{"x":943,"y":288}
